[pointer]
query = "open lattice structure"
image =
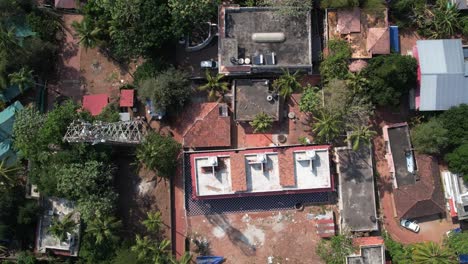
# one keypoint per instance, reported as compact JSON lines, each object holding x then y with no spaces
{"x":122,"y":132}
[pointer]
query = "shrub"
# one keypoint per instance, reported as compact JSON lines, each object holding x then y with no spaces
{"x":430,"y":137}
{"x":335,"y":65}
{"x":454,"y":120}
{"x":311,"y":100}
{"x":457,"y":160}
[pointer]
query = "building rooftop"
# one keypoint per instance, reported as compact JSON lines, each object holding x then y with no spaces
{"x":57,"y":208}
{"x":95,"y":103}
{"x":204,"y":125}
{"x":261,"y":171}
{"x":127,"y":97}
{"x":252,"y":97}
{"x":456,"y":190}
{"x":269,"y":40}
{"x":400,"y":154}
{"x":371,"y":251}
{"x":356,"y":189}
{"x":366,"y":30}
{"x":423,"y":198}
{"x":443,"y":74}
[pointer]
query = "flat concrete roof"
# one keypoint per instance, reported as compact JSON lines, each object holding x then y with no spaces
{"x":239,"y":24}
{"x":57,"y":208}
{"x":261,"y":171}
{"x":399,"y":144}
{"x":369,"y":255}
{"x":356,"y":189}
{"x":250,"y":99}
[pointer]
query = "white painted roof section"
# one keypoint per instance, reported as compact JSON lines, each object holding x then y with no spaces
{"x":312,"y":169}
{"x":262,"y":172}
{"x":213,"y":175}
{"x":444,"y":82}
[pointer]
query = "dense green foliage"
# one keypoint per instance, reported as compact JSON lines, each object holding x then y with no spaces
{"x":389,"y":78}
{"x":169,"y":90}
{"x":311,"y":100}
{"x":261,"y":123}
{"x":335,"y":64}
{"x":454,"y":120}
{"x":327,"y":126}
{"x":398,"y":252}
{"x":432,"y":253}
{"x":457,"y":160}
{"x":335,"y":249}
{"x":160,"y":154}
{"x":433,"y":19}
{"x":287,"y":8}
{"x":187,"y":14}
{"x":110,"y":113}
{"x":149,"y":69}
{"x":458,"y":242}
{"x":352,"y":3}
{"x":360,"y":135}
{"x":430,"y":137}
{"x":26,"y":257}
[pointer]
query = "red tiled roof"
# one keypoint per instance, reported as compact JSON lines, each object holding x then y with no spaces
{"x":368,"y":241}
{"x":378,"y":40}
{"x":349,"y":21}
{"x":425,"y":197}
{"x":95,"y":103}
{"x":209,"y":129}
{"x":126,"y":98}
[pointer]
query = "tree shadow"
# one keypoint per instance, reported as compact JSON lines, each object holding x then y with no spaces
{"x":236,"y":237}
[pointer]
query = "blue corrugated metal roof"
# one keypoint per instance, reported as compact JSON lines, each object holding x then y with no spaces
{"x":443,"y":80}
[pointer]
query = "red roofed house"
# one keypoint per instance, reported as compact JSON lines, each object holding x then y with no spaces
{"x":278,"y":170}
{"x":127,"y":97}
{"x":95,"y":103}
{"x":204,"y":125}
{"x":371,"y":251}
{"x":366,"y":31}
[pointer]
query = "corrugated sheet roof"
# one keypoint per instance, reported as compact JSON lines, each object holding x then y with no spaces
{"x":443,"y":81}
{"x":440,"y":56}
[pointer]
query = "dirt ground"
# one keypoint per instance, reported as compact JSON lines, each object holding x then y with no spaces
{"x":284,"y":236}
{"x":140,"y":193}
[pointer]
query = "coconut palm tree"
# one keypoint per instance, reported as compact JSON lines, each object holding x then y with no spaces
{"x":214,"y":86}
{"x":144,"y":247}
{"x":103,"y":228}
{"x":327,"y":126}
{"x":185,"y":259}
{"x":22,"y":78}
{"x":87,"y":33}
{"x":8,"y":174}
{"x":61,"y":228}
{"x":261,"y":123}
{"x":153,"y":221}
{"x":287,"y":84}
{"x":432,"y":253}
{"x":360,"y":134}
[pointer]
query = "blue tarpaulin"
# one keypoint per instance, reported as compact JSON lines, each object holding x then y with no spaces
{"x":463,"y":259}
{"x":11,"y":92}
{"x":394,"y":39}
{"x":209,"y":260}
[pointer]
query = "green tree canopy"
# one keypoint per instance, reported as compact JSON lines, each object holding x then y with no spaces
{"x":335,"y":64}
{"x":22,"y":78}
{"x":430,"y":137}
{"x":187,"y":14}
{"x":458,"y":242}
{"x":159,"y":153}
{"x":327,"y":127}
{"x":170,"y":89}
{"x":311,"y":100}
{"x":28,"y":122}
{"x":390,"y":77}
{"x":104,"y":228}
{"x":457,"y":161}
{"x":261,"y":123}
{"x":78,"y":180}
{"x":336,"y":97}
{"x":62,"y":227}
{"x":454,"y":120}
{"x":360,"y":135}
{"x":88,"y":34}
